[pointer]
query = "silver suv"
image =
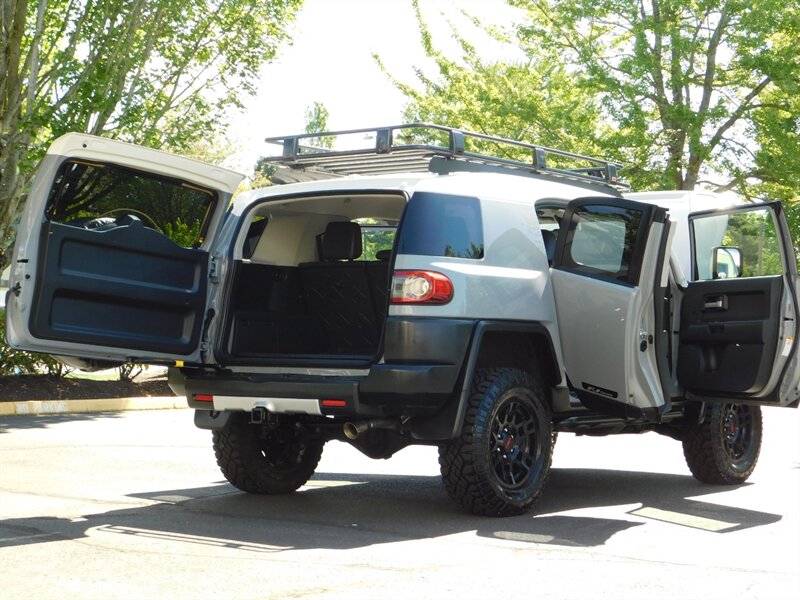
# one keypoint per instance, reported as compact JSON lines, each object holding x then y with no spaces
{"x":436,"y":287}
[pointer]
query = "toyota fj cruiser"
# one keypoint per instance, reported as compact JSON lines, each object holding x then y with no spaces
{"x":436,"y":287}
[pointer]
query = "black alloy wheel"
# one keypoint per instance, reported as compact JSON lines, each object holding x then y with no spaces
{"x":724,"y":448}
{"x":499,"y":464}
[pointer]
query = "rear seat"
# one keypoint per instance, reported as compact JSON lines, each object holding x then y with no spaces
{"x":340,"y":291}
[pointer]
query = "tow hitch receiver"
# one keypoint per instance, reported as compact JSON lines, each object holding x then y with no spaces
{"x":258,"y":415}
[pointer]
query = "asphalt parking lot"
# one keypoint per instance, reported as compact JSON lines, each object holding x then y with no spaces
{"x":131,"y":505}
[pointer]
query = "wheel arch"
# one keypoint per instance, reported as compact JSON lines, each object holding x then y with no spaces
{"x":527,"y":346}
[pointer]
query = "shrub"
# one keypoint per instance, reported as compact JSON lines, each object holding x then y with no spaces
{"x":128,"y":371}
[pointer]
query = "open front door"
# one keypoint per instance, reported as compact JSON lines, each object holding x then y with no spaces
{"x":608,"y":265}
{"x":111,"y":260}
{"x":739,"y":316}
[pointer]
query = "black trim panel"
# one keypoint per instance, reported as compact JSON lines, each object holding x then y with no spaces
{"x":129,"y":287}
{"x":729,"y":349}
{"x":421,"y":368}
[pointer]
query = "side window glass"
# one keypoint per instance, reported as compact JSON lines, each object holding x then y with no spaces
{"x":736,"y":244}
{"x":254,"y":232}
{"x":602,"y":240}
{"x":103,"y":196}
{"x":442,"y":225}
{"x":376,"y":239}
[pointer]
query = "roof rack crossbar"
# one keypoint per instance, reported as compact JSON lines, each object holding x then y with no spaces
{"x":414,"y":144}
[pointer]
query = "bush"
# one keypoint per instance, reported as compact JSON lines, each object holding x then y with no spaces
{"x":129,"y":371}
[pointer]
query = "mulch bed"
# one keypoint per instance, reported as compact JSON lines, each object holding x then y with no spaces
{"x":44,"y":387}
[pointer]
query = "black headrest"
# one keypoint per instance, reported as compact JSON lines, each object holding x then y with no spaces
{"x":342,"y":240}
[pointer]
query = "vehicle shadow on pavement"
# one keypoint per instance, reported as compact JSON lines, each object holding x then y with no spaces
{"x":344,"y":511}
{"x":14,"y":422}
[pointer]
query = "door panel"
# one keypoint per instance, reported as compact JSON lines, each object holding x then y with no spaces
{"x":727,"y":336}
{"x":101,"y":287}
{"x":605,"y":274}
{"x":111,"y":261}
{"x":739,"y":317}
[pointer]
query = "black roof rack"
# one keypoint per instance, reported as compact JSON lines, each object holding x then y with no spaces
{"x":411,"y":148}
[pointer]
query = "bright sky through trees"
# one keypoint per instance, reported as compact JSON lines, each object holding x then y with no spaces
{"x":330,"y":61}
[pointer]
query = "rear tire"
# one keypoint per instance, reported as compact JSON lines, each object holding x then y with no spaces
{"x":499,"y":464}
{"x":724,"y":448}
{"x":274,"y":458}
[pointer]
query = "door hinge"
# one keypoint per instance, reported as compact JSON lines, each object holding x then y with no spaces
{"x":213,"y":270}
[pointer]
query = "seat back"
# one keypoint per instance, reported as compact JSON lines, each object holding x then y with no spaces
{"x":341,"y":241}
{"x":338,"y":291}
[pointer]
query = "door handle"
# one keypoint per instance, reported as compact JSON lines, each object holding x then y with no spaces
{"x":716,"y":303}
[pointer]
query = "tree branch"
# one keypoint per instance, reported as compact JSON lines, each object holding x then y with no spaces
{"x":737,"y":114}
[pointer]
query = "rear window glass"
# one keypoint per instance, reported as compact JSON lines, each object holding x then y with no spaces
{"x":602,"y":240}
{"x":442,"y":225}
{"x":376,"y":241}
{"x":101,"y":196}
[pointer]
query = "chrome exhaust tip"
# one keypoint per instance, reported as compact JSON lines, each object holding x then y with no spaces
{"x":353,"y":430}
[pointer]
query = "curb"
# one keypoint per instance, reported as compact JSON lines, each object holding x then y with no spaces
{"x":56,"y":407}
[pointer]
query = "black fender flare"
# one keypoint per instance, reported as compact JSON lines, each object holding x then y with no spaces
{"x":446,"y":424}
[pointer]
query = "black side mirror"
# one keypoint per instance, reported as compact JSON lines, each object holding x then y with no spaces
{"x":726,"y":262}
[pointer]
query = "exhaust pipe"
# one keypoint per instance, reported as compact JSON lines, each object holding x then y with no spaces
{"x":353,"y":430}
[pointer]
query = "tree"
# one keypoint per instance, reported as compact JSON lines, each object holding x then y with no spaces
{"x":160,"y":73}
{"x":687,"y":94}
{"x":535,"y":101}
{"x":317,"y":122}
{"x":316,"y":116}
{"x":691,"y":88}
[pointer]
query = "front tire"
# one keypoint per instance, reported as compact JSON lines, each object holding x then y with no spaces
{"x":268,"y":458}
{"x":724,"y":448}
{"x":499,"y":464}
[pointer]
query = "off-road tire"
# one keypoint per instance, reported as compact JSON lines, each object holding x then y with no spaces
{"x":724,"y":448}
{"x":264,"y":458}
{"x":499,"y":464}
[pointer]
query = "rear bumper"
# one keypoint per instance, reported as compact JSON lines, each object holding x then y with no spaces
{"x":420,"y":370}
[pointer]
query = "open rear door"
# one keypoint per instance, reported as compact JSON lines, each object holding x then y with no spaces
{"x":111,"y":260}
{"x":609,"y":268}
{"x":739,"y":314}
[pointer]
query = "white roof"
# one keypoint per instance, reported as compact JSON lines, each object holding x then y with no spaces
{"x":485,"y":185}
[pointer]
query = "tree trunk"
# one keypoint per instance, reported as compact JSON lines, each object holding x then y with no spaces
{"x":11,"y":197}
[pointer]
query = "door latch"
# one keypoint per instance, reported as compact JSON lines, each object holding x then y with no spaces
{"x":716,"y":302}
{"x":644,"y":339}
{"x":213,"y":275}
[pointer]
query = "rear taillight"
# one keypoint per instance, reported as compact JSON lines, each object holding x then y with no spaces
{"x":421,"y":287}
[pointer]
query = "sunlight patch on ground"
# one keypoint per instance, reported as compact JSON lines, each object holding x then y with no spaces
{"x":668,"y":516}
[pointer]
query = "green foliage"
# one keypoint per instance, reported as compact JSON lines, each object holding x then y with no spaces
{"x":754,"y":234}
{"x":688,"y":89}
{"x":183,"y":234}
{"x":536,"y":101}
{"x":685,"y":94}
{"x":84,"y":193}
{"x":162,"y":73}
{"x":375,"y":238}
{"x":316,"y":122}
{"x":793,"y":219}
